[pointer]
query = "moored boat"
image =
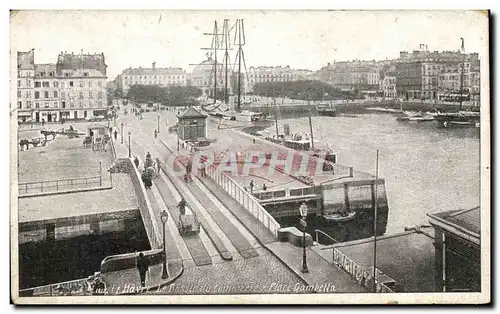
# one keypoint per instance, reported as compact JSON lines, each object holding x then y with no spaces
{"x":339,"y":217}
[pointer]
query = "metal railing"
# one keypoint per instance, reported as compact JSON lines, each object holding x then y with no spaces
{"x":360,"y":274}
{"x":246,"y":199}
{"x":59,"y":185}
{"x":325,"y":234}
{"x":73,"y":287}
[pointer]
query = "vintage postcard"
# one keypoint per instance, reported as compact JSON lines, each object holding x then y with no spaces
{"x":234,"y":157}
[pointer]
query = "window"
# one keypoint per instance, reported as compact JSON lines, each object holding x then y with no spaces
{"x":37,"y":95}
{"x":29,"y":83}
{"x":46,"y":84}
{"x":71,"y":83}
{"x":51,"y":73}
{"x":66,"y":75}
{"x":55,"y":94}
{"x":85,"y":74}
{"x":63,"y":95}
{"x":18,"y":83}
{"x":63,"y":104}
{"x":99,"y":95}
{"x":90,"y":95}
{"x":19,"y":104}
{"x":46,"y":94}
{"x":46,"y":105}
{"x":28,"y":104}
{"x":37,"y":84}
{"x":19,"y":94}
{"x":42,"y":73}
{"x":55,"y":83}
{"x":28,"y":94}
{"x":81,"y":83}
{"x":80,"y":95}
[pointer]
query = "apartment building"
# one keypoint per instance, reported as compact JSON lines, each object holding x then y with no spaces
{"x":72,"y":88}
{"x":151,"y":76}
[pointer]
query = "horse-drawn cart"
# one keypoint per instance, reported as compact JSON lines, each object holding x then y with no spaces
{"x":188,"y":224}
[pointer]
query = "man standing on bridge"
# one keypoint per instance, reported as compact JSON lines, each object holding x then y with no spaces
{"x":143,"y":267}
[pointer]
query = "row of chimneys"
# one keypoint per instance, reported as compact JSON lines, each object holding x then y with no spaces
{"x":72,"y":53}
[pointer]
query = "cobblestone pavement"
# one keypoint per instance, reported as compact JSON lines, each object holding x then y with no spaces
{"x":259,"y":275}
{"x":62,"y":158}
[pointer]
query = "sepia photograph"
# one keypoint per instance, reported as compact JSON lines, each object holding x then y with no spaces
{"x":249,"y":156}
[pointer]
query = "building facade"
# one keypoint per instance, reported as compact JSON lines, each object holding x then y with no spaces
{"x":151,"y":76}
{"x":25,"y":84}
{"x":419,"y":75}
{"x":352,"y":75}
{"x":388,"y":85}
{"x":433,"y":75}
{"x":71,"y":89}
{"x":204,"y":75}
{"x":271,"y":74}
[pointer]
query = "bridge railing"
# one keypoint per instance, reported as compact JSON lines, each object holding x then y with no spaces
{"x":246,"y":199}
{"x":59,"y":185}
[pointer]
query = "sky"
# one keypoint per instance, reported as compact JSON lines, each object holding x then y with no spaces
{"x":300,"y":39}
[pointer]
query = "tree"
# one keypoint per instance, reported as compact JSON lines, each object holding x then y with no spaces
{"x":307,"y":89}
{"x":172,"y":95}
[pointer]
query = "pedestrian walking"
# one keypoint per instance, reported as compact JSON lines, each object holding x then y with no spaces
{"x":143,"y":267}
{"x":264,"y":187}
{"x":182,"y":207}
{"x":203,"y":170}
{"x":158,"y":164}
{"x":116,"y":134}
{"x":136,"y":162}
{"x":251,"y":186}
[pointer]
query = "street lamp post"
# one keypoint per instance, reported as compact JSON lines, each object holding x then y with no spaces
{"x":129,"y":153}
{"x":164,"y":218}
{"x":303,"y":212}
{"x":122,"y":133}
{"x":158,"y":123}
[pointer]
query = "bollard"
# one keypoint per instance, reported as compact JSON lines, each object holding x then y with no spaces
{"x":351,"y":172}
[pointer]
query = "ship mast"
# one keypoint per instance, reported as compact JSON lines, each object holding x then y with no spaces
{"x":216,"y":41}
{"x":310,"y":123}
{"x":239,"y":38}
{"x":213,"y":49}
{"x":462,"y":51}
{"x":225,"y":31}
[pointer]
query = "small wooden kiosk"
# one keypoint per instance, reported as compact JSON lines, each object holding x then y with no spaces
{"x":192,"y":125}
